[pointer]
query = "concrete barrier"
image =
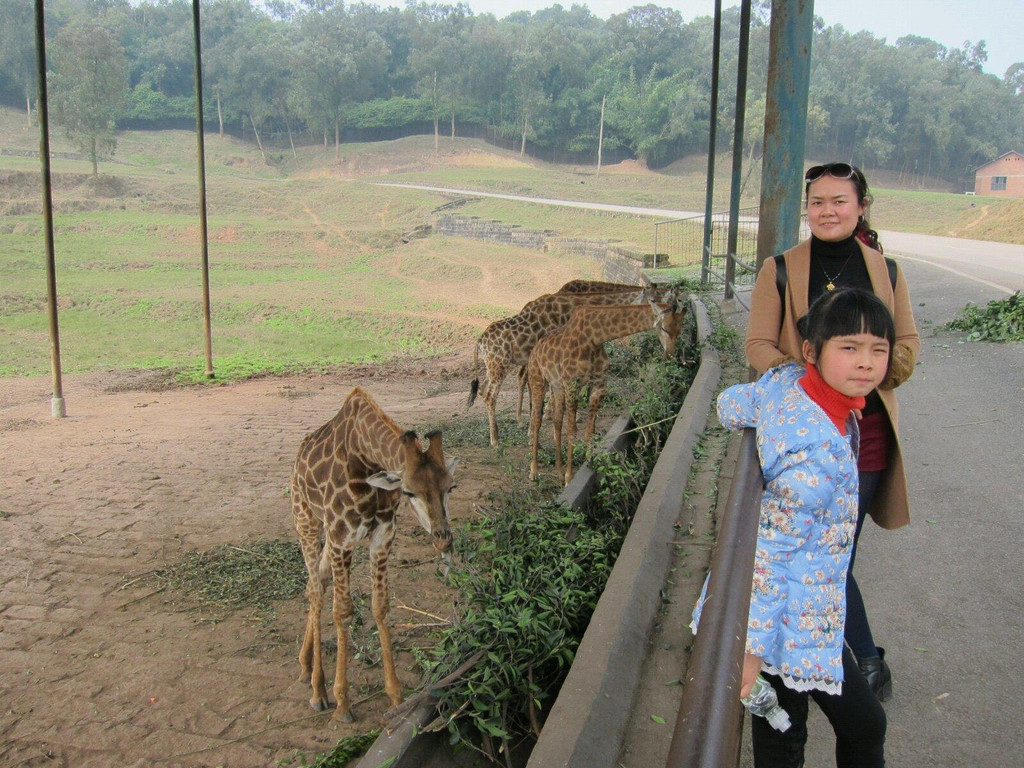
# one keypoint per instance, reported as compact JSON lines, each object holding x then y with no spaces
{"x":588,"y":721}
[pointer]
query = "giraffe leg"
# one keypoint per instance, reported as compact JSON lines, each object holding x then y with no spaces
{"x":558,"y":399}
{"x":522,"y":389}
{"x":341,"y":562}
{"x":593,"y":406}
{"x":380,"y":549}
{"x":311,"y":657}
{"x":537,"y":387}
{"x":309,"y":529}
{"x":597,"y":389}
{"x":571,"y":399}
{"x":495,"y":375}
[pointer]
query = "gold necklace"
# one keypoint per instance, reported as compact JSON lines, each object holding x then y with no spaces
{"x":831,"y":284}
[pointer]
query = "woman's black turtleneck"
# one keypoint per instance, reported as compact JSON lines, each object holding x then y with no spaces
{"x":841,"y":262}
{"x":844,"y":263}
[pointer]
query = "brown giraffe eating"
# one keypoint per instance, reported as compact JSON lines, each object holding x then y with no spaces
{"x":506,"y":344}
{"x":349,"y":478}
{"x":573,"y":357}
{"x":597,"y":286}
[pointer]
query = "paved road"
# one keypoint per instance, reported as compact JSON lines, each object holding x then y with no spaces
{"x":664,"y":213}
{"x":999,"y":265}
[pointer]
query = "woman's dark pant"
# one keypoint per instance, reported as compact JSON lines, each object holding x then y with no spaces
{"x":856,"y":716}
{"x":858,"y":631}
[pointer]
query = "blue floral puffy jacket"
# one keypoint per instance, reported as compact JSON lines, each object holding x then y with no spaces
{"x":808,"y":518}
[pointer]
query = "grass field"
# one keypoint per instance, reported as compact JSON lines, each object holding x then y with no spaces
{"x":310,"y":263}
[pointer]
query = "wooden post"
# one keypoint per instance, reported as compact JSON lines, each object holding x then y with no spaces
{"x":600,"y":138}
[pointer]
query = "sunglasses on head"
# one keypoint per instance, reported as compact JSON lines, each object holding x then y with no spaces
{"x":835,"y":170}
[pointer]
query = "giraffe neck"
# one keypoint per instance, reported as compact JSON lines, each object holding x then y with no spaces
{"x":600,"y":324}
{"x":370,"y":435}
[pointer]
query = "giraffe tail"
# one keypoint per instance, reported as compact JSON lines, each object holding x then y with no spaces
{"x":474,"y":386}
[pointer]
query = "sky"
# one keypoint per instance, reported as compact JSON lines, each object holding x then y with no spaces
{"x":1000,"y":23}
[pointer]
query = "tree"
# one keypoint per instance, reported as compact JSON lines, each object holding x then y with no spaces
{"x":1014,"y":77}
{"x":89,"y":89}
{"x":17,"y":48}
{"x":339,"y":63}
{"x":437,"y":57}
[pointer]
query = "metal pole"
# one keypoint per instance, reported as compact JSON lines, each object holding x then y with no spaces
{"x":785,"y":126}
{"x":710,"y":721}
{"x":737,"y":146}
{"x":201,"y":155}
{"x":57,"y":407}
{"x":705,"y":259}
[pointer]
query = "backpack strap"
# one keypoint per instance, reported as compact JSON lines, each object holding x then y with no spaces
{"x":781,"y":277}
{"x":890,"y":264}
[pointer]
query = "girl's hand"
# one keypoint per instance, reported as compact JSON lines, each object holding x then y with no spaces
{"x":751,"y":668}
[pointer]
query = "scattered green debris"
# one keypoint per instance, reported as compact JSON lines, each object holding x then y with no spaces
{"x":344,"y":752}
{"x":229,"y":577}
{"x":999,"y":320}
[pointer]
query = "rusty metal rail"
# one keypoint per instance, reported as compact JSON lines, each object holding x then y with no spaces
{"x":708,"y":728}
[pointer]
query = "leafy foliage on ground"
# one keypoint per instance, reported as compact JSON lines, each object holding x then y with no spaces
{"x":999,"y":320}
{"x":531,"y":573}
{"x":229,"y":577}
{"x":344,"y":752}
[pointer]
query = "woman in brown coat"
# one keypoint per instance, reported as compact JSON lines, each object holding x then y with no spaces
{"x":844,"y":251}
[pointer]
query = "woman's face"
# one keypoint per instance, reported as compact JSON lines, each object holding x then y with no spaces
{"x":832,"y":208}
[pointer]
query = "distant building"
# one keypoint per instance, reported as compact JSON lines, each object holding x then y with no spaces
{"x":1003,"y":177}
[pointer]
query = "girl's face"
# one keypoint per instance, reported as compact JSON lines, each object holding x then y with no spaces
{"x":853,"y":365}
{"x":833,"y":208}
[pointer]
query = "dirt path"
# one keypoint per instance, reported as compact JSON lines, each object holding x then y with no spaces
{"x":95,"y":674}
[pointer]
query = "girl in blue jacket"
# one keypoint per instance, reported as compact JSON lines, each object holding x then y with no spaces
{"x":807,"y":443}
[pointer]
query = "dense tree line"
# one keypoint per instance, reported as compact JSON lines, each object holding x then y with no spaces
{"x":320,"y":69}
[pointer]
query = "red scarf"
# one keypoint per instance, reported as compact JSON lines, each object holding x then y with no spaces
{"x":836,"y":405}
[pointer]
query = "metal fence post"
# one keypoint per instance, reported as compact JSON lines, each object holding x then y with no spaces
{"x":737,"y":146}
{"x":201,"y":155}
{"x":705,"y":260}
{"x":57,"y":407}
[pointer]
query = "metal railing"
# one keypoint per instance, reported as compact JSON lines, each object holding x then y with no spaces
{"x":710,"y":720}
{"x":681,"y":243}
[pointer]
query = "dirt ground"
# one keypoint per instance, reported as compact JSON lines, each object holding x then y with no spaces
{"x":100,"y":668}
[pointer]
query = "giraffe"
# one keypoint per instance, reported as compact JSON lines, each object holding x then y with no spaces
{"x":573,"y":287}
{"x":597,"y":286}
{"x":573,"y":357}
{"x":507,"y":343}
{"x":348,"y":480}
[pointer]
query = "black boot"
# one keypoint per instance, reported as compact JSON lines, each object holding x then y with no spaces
{"x":878,"y":675}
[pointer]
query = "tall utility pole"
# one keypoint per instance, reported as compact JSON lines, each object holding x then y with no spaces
{"x":201,"y":154}
{"x":709,"y":198}
{"x":57,"y":408}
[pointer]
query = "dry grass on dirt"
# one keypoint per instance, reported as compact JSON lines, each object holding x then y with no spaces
{"x":109,"y":654}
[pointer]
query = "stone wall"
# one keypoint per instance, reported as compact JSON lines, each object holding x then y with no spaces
{"x":621,"y":265}
{"x":479,"y":229}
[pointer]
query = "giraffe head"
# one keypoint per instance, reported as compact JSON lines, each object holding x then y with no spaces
{"x":669,"y":324}
{"x":425,"y":480}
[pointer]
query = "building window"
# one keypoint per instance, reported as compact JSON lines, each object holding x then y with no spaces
{"x":998,"y":183}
